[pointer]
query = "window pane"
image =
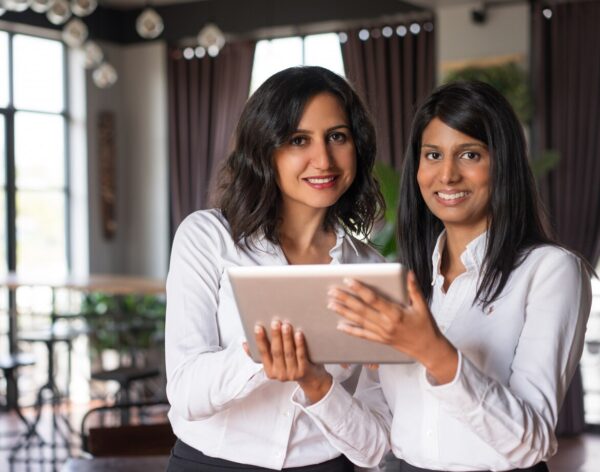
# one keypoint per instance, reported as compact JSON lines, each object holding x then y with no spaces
{"x":274,"y":55}
{"x":41,"y":241}
{"x":2,"y":152}
{"x":38,"y":74}
{"x":39,"y":151}
{"x":3,"y":265}
{"x":324,"y":50}
{"x":3,"y":69}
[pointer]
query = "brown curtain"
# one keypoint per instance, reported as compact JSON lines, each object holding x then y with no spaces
{"x":393,"y":70}
{"x":566,"y":84}
{"x":206,"y":97}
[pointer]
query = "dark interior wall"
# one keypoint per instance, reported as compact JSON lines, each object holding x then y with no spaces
{"x":236,"y":17}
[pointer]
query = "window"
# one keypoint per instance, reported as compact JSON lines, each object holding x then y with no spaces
{"x":33,"y":174}
{"x":590,"y":361}
{"x":274,"y":55}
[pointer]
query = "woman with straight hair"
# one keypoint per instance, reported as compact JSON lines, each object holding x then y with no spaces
{"x":297,"y":189}
{"x":497,"y":310}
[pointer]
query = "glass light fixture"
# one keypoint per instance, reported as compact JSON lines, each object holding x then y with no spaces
{"x":75,"y":33}
{"x":93,"y":54}
{"x":83,"y":7}
{"x":149,"y":24}
{"x":40,"y":6}
{"x":16,"y":5}
{"x":59,"y":12}
{"x":211,"y":35}
{"x":105,"y":75}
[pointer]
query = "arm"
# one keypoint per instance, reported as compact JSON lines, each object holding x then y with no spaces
{"x":359,"y":426}
{"x":518,"y":419}
{"x":203,"y":378}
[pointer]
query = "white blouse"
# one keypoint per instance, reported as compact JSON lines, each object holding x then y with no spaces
{"x":221,"y":402}
{"x":516,"y":359}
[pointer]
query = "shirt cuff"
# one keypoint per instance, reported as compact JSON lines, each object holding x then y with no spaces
{"x":332,"y":409}
{"x":464,"y":393}
{"x":250,"y":370}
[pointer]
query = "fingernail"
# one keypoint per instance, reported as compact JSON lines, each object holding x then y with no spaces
{"x":332,"y":292}
{"x":258,"y":328}
{"x":285,"y":328}
{"x":275,"y":324}
{"x":348,"y":282}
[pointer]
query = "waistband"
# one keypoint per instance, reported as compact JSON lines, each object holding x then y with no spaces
{"x":404,"y":466}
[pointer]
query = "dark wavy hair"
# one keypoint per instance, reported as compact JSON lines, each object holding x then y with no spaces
{"x":248,"y":194}
{"x":516,"y":222}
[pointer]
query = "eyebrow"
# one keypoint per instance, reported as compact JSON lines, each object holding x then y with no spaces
{"x":460,"y":146}
{"x":333,"y":128}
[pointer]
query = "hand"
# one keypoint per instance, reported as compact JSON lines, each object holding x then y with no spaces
{"x":408,"y":328}
{"x":285,"y":359}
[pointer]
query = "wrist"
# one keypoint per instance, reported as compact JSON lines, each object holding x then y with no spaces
{"x":316,"y":388}
{"x":442,"y":362}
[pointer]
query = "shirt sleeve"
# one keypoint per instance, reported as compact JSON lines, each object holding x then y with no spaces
{"x":358,"y":426}
{"x":518,"y":419}
{"x":203,"y":378}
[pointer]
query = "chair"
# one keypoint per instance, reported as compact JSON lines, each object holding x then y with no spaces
{"x":149,"y":434}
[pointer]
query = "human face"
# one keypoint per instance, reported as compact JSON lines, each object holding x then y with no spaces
{"x":454,"y":177}
{"x":318,"y":163}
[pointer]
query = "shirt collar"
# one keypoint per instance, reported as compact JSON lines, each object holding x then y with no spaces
{"x":472,"y":257}
{"x":336,"y":252}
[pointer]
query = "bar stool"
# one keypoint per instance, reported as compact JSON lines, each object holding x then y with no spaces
{"x":59,"y":437}
{"x":9,"y":365}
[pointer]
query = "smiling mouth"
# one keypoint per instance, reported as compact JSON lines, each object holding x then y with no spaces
{"x":321,"y":180}
{"x":451,"y":196}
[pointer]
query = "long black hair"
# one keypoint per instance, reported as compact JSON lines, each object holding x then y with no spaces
{"x":248,"y":193}
{"x":516,"y":223}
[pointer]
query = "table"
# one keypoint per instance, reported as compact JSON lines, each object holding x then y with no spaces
{"x":109,"y":284}
{"x":117,"y":464}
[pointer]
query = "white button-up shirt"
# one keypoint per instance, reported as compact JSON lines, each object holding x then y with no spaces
{"x":516,"y":359}
{"x":221,"y":402}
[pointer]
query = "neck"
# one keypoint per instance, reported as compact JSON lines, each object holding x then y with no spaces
{"x":302,"y":236}
{"x":457,"y":240}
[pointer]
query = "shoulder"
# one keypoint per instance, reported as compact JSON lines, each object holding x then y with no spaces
{"x":206,"y":227}
{"x":360,"y":251}
{"x":547,"y":263}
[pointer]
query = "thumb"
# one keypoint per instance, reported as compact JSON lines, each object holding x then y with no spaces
{"x":414,"y":293}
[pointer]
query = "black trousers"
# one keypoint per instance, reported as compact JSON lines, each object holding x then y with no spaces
{"x":185,"y":458}
{"x":401,"y":466}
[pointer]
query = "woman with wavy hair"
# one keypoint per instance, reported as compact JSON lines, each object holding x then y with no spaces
{"x":297,"y":189}
{"x":497,"y":310}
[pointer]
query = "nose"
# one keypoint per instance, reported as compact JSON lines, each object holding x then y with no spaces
{"x":449,"y":172}
{"x":321,"y":158}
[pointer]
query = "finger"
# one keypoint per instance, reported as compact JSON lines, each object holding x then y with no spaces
{"x":372,"y":366}
{"x":368,"y":295}
{"x":378,"y":324}
{"x":289,"y":348}
{"x":246,"y":348}
{"x":277,"y":346}
{"x":263,"y":346}
{"x":360,"y":310}
{"x":359,"y":332}
{"x":301,"y":351}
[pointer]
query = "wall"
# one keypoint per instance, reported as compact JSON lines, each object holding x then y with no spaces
{"x":138,"y":100}
{"x":505,"y":33}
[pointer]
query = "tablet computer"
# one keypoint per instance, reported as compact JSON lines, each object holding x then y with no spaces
{"x":298,"y":294}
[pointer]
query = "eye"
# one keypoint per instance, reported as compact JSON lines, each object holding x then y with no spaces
{"x":433,"y":155}
{"x":338,"y":137}
{"x":298,"y":140}
{"x":470,"y":155}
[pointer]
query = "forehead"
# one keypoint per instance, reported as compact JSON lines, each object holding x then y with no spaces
{"x":323,"y":108}
{"x":439,"y":133}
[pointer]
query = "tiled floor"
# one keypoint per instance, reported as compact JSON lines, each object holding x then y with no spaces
{"x":578,"y":454}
